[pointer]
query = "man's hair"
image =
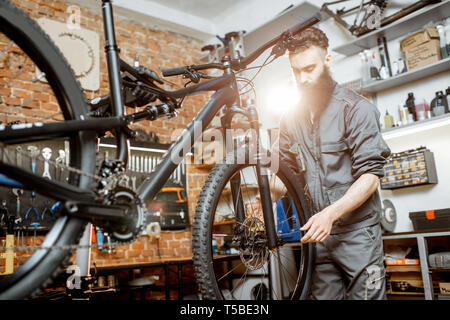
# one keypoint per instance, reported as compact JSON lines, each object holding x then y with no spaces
{"x":310,"y":37}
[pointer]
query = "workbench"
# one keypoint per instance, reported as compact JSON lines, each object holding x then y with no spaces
{"x":155,"y":263}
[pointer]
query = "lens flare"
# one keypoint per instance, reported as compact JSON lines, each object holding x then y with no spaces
{"x":281,"y":99}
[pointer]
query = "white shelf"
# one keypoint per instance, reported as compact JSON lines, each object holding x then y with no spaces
{"x":398,"y":28}
{"x":409,"y":76}
{"x":280,"y":23}
{"x":416,"y":127}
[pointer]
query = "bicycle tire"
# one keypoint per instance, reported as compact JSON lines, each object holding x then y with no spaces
{"x":44,"y":265}
{"x":203,"y":224}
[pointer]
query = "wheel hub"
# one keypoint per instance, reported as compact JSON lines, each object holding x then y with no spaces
{"x":253,"y":243}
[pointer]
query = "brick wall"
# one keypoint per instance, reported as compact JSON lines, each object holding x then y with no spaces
{"x":157,"y":50}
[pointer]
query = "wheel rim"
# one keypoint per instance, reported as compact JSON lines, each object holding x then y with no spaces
{"x":257,"y":272}
{"x":22,"y":65}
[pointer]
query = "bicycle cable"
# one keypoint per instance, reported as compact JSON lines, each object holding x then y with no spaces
{"x":265,"y":63}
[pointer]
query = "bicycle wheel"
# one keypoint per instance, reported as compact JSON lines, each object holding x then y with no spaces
{"x":37,"y":85}
{"x":245,"y":268}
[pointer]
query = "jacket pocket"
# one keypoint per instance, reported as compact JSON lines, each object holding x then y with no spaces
{"x":335,"y":193}
{"x":369,"y":233}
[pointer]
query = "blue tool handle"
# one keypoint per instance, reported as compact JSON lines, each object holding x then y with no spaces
{"x":52,"y":210}
{"x":5,"y":181}
{"x":34,"y":224}
{"x":55,"y":207}
{"x":99,"y":236}
{"x":36,"y":213}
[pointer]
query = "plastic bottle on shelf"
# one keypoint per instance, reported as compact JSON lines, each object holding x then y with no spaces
{"x":388,"y":121}
{"x":395,"y":68}
{"x":447,"y":34}
{"x":437,"y":104}
{"x":401,"y":65}
{"x":422,"y":109}
{"x":364,"y":67}
{"x":411,"y":105}
{"x":403,"y":112}
{"x":384,"y":73}
{"x":373,"y":70}
{"x":442,"y":41}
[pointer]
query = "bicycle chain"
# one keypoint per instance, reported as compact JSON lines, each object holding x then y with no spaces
{"x":64,"y":247}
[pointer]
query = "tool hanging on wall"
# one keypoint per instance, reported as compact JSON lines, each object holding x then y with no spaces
{"x":50,"y":211}
{"x":59,"y":162}
{"x":388,"y":216}
{"x":46,"y":154}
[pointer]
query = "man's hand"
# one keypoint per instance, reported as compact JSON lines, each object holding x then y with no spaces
{"x":318,"y":226}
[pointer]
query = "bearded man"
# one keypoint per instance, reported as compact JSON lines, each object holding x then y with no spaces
{"x":335,"y":134}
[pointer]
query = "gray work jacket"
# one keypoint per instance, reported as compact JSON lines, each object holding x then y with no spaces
{"x":333,"y":150}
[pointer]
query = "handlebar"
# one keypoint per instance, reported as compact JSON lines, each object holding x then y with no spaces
{"x":182,"y":70}
{"x":236,"y":65}
{"x":241,"y":64}
{"x":143,"y":74}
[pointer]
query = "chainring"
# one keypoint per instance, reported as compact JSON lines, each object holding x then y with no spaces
{"x":133,"y":224}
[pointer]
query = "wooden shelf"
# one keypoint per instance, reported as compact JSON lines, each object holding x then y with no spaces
{"x":403,"y":269}
{"x":206,"y":166}
{"x":399,"y":28}
{"x":223,"y":223}
{"x":409,"y":76}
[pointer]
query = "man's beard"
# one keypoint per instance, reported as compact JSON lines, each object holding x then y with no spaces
{"x":315,"y":96}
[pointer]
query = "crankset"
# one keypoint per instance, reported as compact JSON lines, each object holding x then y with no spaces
{"x":129,"y":227}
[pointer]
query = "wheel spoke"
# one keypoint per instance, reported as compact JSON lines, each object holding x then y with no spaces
{"x":249,"y":238}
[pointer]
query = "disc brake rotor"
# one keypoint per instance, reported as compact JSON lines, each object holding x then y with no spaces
{"x":254,"y":252}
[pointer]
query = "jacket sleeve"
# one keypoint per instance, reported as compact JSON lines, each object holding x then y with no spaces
{"x":284,"y":147}
{"x":368,"y":148}
{"x":288,"y":150}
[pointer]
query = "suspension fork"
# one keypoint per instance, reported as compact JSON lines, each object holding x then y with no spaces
{"x":263,"y":182}
{"x":235,"y":181}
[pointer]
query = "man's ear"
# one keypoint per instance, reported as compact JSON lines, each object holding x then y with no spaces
{"x":328,"y":59}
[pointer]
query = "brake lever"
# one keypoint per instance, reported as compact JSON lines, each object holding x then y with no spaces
{"x":193,"y":75}
{"x":287,"y":42}
{"x":144,"y":71}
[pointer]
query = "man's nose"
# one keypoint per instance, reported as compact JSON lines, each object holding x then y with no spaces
{"x":304,"y":78}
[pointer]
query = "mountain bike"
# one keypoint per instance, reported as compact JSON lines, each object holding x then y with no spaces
{"x":95,"y":192}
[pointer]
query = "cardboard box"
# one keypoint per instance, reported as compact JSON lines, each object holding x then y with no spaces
{"x":421,"y":48}
{"x":419,"y":38}
{"x":444,"y":287}
{"x":402,"y":262}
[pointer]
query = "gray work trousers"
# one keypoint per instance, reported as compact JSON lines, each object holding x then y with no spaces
{"x":350,"y":266}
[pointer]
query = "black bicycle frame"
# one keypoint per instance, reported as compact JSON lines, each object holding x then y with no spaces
{"x":115,"y":85}
{"x":85,"y":205}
